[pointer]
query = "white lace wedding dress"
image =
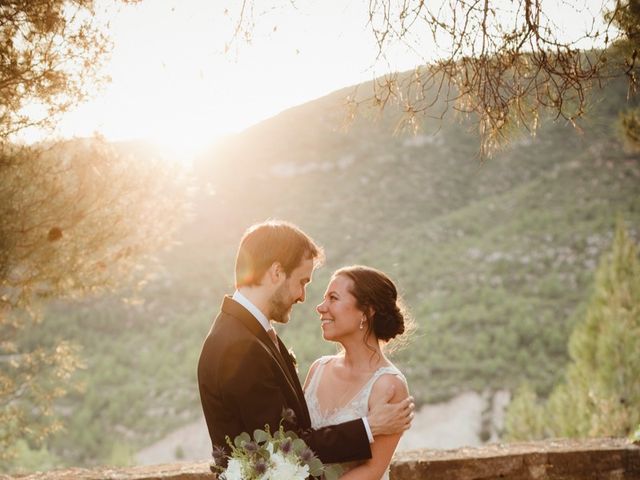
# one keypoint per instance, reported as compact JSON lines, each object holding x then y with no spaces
{"x":356,"y":408}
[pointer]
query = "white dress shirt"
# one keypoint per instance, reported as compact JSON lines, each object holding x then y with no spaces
{"x":266,"y":324}
{"x":255,"y":311}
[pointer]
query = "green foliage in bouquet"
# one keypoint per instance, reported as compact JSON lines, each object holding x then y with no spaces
{"x":278,"y":456}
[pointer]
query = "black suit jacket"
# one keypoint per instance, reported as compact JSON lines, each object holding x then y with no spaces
{"x":245,"y":383}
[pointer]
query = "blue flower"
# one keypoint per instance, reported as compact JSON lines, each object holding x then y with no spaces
{"x":286,"y":446}
{"x":251,"y":447}
{"x":288,"y":415}
{"x":218,"y":454}
{"x":307,"y":455}
{"x":261,"y":466}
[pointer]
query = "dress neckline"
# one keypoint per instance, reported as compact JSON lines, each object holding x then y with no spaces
{"x":365,"y":386}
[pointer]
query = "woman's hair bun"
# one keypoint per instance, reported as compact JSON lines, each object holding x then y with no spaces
{"x":377,"y":296}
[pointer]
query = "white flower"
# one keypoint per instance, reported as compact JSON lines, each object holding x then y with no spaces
{"x":233,"y":471}
{"x":268,"y":456}
{"x":294,"y":359}
{"x":284,"y":469}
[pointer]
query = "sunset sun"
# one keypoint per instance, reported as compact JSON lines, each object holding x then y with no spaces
{"x":176,"y":81}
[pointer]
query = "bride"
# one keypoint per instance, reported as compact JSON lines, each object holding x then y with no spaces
{"x":360,"y":311}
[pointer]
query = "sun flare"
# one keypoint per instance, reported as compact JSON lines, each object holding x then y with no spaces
{"x":173,"y":84}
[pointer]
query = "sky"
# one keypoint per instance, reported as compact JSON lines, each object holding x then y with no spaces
{"x":173,"y":83}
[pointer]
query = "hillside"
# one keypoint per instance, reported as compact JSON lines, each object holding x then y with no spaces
{"x":494,"y":259}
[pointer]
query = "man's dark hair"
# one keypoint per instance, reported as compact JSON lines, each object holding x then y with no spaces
{"x":273,"y":241}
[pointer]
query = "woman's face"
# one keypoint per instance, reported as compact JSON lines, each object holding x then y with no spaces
{"x":339,"y":314}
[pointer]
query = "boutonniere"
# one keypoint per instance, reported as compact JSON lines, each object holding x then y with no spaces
{"x":294,"y":359}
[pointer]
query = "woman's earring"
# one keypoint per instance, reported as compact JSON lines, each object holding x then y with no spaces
{"x":361,"y":323}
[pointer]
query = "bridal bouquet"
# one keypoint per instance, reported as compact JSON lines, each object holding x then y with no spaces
{"x":278,"y":456}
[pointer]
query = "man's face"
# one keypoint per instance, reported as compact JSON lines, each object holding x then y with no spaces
{"x":291,"y":291}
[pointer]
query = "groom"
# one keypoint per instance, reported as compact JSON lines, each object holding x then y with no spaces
{"x":246,"y":375}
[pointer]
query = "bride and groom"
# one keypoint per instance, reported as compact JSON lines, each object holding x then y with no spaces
{"x":354,"y":406}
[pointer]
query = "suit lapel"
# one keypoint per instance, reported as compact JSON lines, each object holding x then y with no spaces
{"x":292,"y":371}
{"x":283,"y":360}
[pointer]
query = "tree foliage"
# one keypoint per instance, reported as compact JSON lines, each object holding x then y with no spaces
{"x":76,"y":217}
{"x":503,"y":63}
{"x":601,"y":391}
{"x":627,"y":18}
{"x":51,"y":53}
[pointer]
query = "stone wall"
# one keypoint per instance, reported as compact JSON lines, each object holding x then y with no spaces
{"x":174,"y":471}
{"x":599,"y":459}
